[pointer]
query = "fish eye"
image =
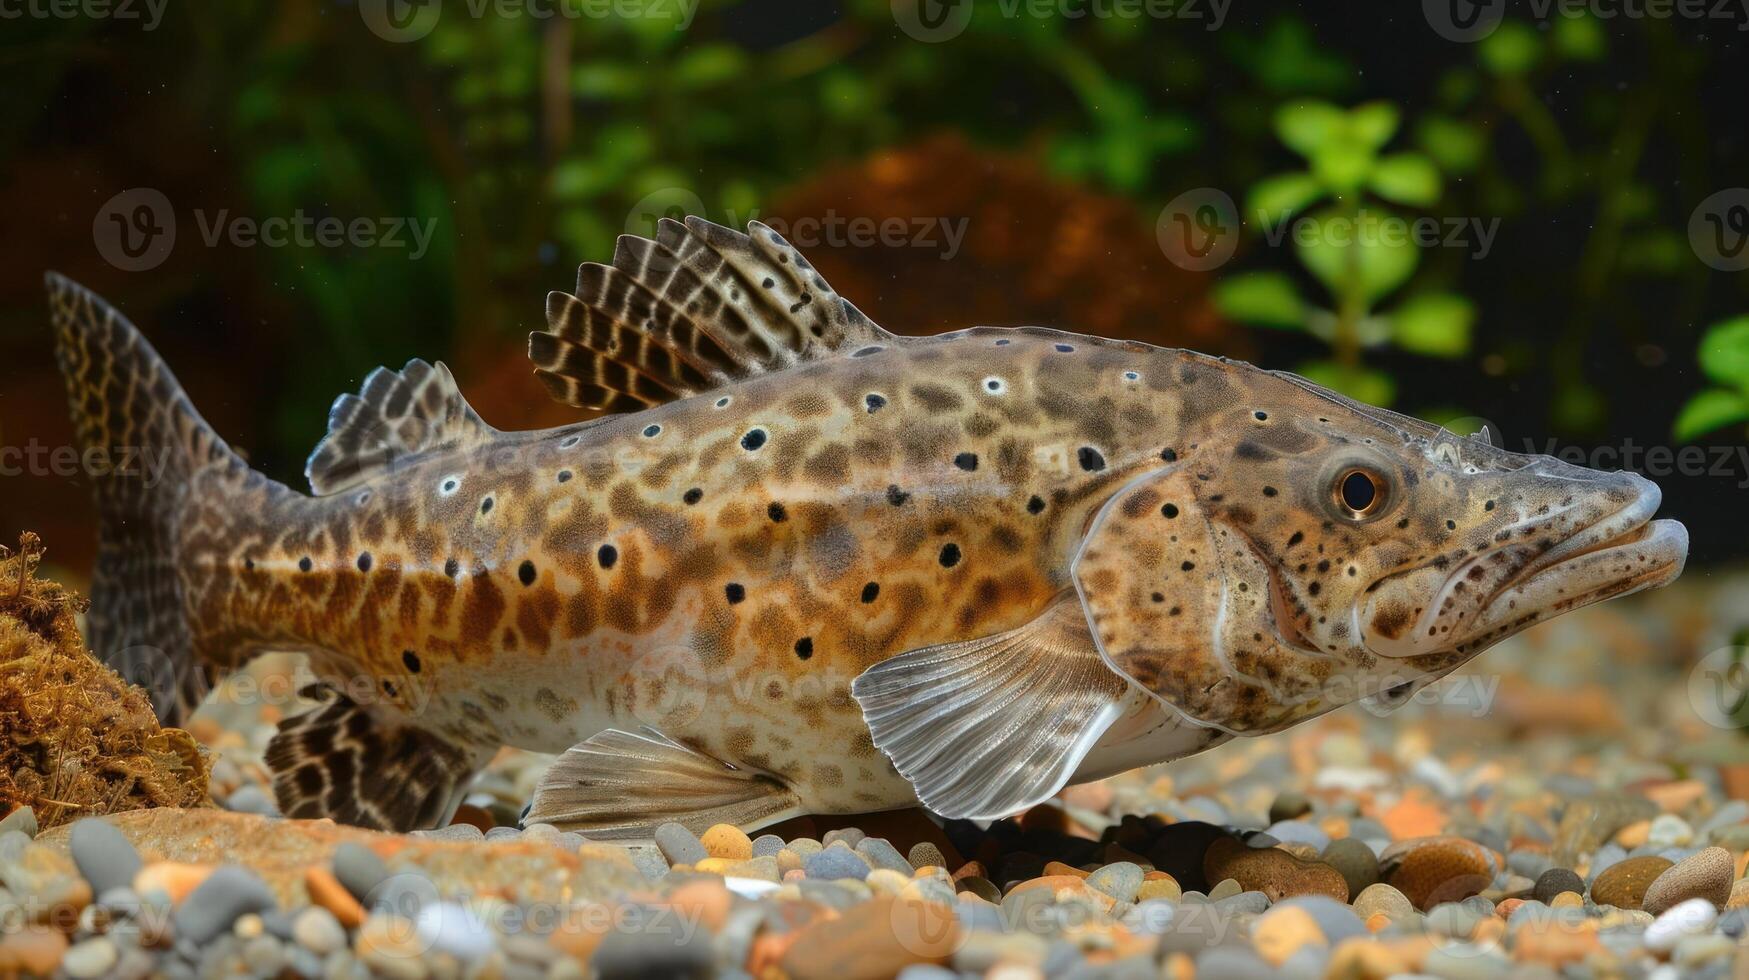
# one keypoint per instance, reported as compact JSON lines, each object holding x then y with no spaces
{"x":1360,"y":493}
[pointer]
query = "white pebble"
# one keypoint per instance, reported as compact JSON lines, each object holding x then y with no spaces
{"x":1689,"y":918}
{"x":450,"y":928}
{"x":1669,"y":830}
{"x":318,"y":931}
{"x":90,"y":959}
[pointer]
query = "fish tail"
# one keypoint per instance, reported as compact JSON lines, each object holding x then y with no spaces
{"x":142,"y":447}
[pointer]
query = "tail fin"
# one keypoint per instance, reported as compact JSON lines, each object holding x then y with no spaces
{"x":142,"y":443}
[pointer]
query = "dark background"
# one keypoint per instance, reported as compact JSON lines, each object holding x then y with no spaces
{"x":1591,"y":135}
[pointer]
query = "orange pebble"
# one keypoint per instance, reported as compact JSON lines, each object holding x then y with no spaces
{"x":171,"y":877}
{"x":327,"y":891}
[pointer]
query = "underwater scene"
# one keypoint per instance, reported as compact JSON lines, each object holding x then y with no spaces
{"x":855,"y":489}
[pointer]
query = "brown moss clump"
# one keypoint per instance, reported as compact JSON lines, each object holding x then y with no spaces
{"x":75,"y":739}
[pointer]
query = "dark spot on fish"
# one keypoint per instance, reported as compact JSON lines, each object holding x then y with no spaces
{"x":452,"y":568}
{"x":1090,"y":459}
{"x":805,"y":647}
{"x":871,"y":591}
{"x":607,"y":554}
{"x":775,"y":511}
{"x":1269,"y":491}
{"x":1451,"y":525}
{"x":692,"y":496}
{"x":1187,"y":566}
{"x":564,"y":476}
{"x":1169,"y":455}
{"x":1314,"y":588}
{"x":304,"y":563}
{"x":950,"y":555}
{"x":1296,"y":538}
{"x":1064,"y":348}
{"x":1488,"y":506}
{"x":486,"y":506}
{"x":866,"y":351}
{"x":874,"y":402}
{"x":1158,"y":597}
{"x":753,"y":439}
{"x":364,"y":561}
{"x":1250,"y":450}
{"x":1035,"y":504}
{"x":411,"y":659}
{"x":1260,"y":416}
{"x":734,"y":592}
{"x":1170,"y":510}
{"x":895,"y":496}
{"x":652,"y":430}
{"x":966,"y":461}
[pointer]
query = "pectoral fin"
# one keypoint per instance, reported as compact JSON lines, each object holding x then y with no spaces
{"x":988,"y":727}
{"x":619,"y":785}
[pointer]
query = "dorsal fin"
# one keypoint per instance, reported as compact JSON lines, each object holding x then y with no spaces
{"x":395,"y":415}
{"x":700,"y":306}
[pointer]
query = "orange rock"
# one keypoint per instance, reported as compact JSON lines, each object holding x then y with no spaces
{"x":34,"y":950}
{"x":172,"y":877}
{"x":576,"y":935}
{"x":1505,"y":909}
{"x":1413,"y":817}
{"x":1553,"y":944}
{"x":1634,"y":834}
{"x":1360,"y":958}
{"x":874,"y":940}
{"x":1271,"y":870}
{"x":726,"y":841}
{"x":1377,"y":922}
{"x":1179,"y":966}
{"x":1431,"y":870}
{"x":1059,"y":868}
{"x":703,"y":901}
{"x":1283,"y":932}
{"x":1065,"y":885}
{"x":327,"y":891}
{"x":473,"y":816}
{"x":1675,"y":796}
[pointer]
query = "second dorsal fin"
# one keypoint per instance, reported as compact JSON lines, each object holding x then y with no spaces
{"x":395,"y":415}
{"x":699,"y":306}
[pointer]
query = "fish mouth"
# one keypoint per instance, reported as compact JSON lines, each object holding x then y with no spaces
{"x":1624,"y":552}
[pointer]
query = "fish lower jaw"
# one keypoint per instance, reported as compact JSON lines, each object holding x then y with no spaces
{"x":1650,"y":555}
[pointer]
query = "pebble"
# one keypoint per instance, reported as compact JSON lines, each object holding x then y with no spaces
{"x":1271,"y":870}
{"x":21,"y":820}
{"x":103,"y":855}
{"x":1688,"y":918}
{"x":1706,"y":874}
{"x":925,"y":854}
{"x":834,"y":863}
{"x":227,"y":893}
{"x":359,"y":869}
{"x":450,"y":928}
{"x":1624,"y":883}
{"x":1430,"y":870}
{"x":90,"y":959}
{"x":1669,"y":830}
{"x":251,"y":798}
{"x":1383,"y":899}
{"x":317,"y":930}
{"x":1121,"y":880}
{"x":767,"y":845}
{"x":1554,"y":881}
{"x":726,"y":841}
{"x":679,"y":845}
{"x":1354,"y":861}
{"x":880,"y":853}
{"x":1281,"y":932}
{"x":1289,"y":805}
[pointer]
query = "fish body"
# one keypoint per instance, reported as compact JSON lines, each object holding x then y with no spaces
{"x":814,"y":567}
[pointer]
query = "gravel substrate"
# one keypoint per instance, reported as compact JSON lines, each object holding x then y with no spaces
{"x":1567,"y":813}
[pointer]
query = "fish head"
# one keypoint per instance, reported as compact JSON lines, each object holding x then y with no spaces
{"x":1390,"y":537}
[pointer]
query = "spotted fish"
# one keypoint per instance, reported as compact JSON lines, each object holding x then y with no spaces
{"x":807,"y":566}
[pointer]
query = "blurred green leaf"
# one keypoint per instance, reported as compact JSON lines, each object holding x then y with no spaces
{"x":1712,"y":408}
{"x":1580,"y":37}
{"x":1275,"y":199}
{"x":1456,"y":146}
{"x":1288,"y":59}
{"x":1342,"y":164}
{"x":1372,"y":124}
{"x":605,"y":80}
{"x":1360,"y":383}
{"x":1512,"y":49}
{"x":1435,"y":324}
{"x":1306,"y":126}
{"x":1267,"y":299}
{"x":707,"y":65}
{"x":1724,"y":352}
{"x":1579,"y":407}
{"x":1348,"y":254}
{"x":1407,"y":178}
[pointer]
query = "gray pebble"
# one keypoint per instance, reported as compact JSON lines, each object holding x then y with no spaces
{"x":1530,"y":864}
{"x":679,"y":845}
{"x":264,"y":955}
{"x":134,"y":964}
{"x":880,"y":853}
{"x":226,"y":894}
{"x":1251,"y":902}
{"x":1121,"y":880}
{"x":626,"y":954}
{"x":1232,"y":963}
{"x":926,"y":855}
{"x":836,"y":862}
{"x":457,"y":832}
{"x":404,"y":894}
{"x":250,"y":798}
{"x":570,"y":840}
{"x":1289,"y":805}
{"x":103,"y":855}
{"x":1355,"y":861}
{"x":12,"y":845}
{"x":90,"y":959}
{"x":318,"y":931}
{"x":767,"y":845}
{"x":1299,"y":832}
{"x":649,"y":862}
{"x":1335,"y":919}
{"x":121,"y":903}
{"x":849,"y":835}
{"x":1555,"y":881}
{"x":22,"y":820}
{"x":359,"y":869}
{"x":503,"y":833}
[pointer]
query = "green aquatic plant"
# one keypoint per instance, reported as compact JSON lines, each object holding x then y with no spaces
{"x":1724,"y":358}
{"x":1356,"y":245}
